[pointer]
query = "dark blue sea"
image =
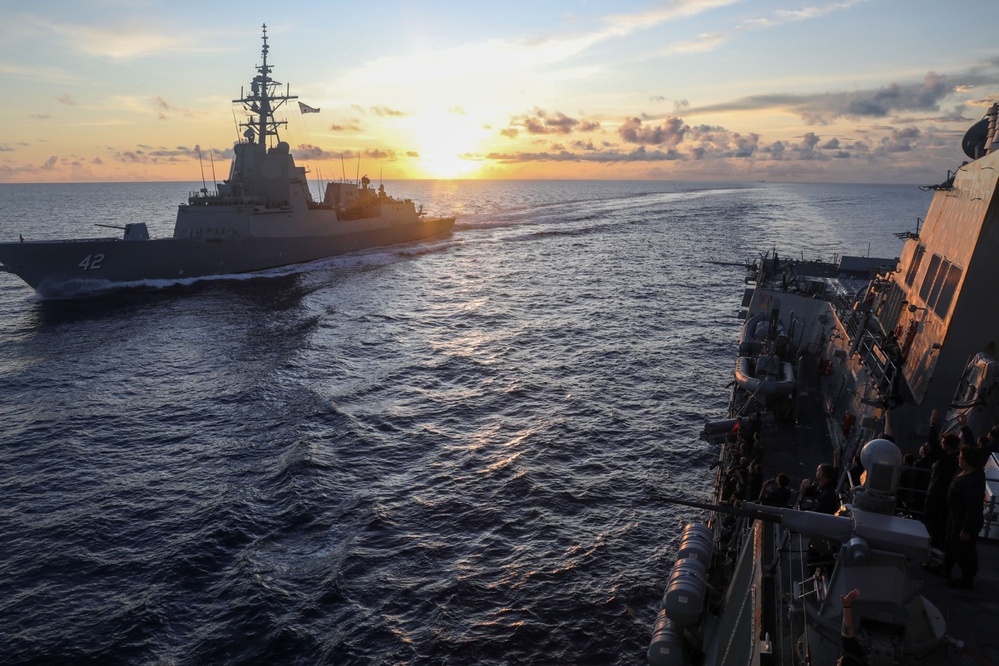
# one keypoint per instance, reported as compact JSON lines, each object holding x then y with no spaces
{"x":437,"y":453}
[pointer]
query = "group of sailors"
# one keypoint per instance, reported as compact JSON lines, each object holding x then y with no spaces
{"x":952,"y":509}
{"x":944,"y":486}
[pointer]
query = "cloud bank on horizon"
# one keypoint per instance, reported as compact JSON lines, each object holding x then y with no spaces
{"x":686,"y":89}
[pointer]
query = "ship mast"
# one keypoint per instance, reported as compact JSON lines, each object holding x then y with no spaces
{"x":264,"y":99}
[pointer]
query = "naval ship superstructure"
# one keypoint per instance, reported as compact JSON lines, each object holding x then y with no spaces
{"x":262,"y":216}
{"x":837,"y":359}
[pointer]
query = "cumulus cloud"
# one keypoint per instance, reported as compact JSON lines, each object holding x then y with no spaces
{"x":900,"y":140}
{"x":670,"y":133}
{"x":893,"y":98}
{"x":540,"y":122}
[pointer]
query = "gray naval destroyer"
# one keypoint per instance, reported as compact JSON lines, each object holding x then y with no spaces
{"x":262,"y":216}
{"x":838,"y":359}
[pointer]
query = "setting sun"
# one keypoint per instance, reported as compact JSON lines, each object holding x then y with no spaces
{"x":444,"y":142}
{"x":665,"y":90}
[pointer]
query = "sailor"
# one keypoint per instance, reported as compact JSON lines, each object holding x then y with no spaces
{"x":852,"y":653}
{"x":776,"y":491}
{"x":991,"y":441}
{"x":943,"y":452}
{"x":964,"y":517}
{"x":822,"y":492}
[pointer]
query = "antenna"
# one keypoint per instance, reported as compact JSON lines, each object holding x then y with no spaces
{"x":343,"y":169}
{"x":204,"y":186}
{"x":211,"y":156}
{"x":357,"y":176}
{"x":234,"y":120}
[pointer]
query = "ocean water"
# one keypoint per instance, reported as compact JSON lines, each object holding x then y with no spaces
{"x":438,"y":453}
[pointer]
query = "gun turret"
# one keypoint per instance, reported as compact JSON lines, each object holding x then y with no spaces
{"x":863,"y":529}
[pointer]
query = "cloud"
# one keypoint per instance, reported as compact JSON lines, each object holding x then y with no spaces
{"x":542,"y":122}
{"x":895,"y":97}
{"x":671,"y":132}
{"x":707,"y":42}
{"x":124,"y":41}
{"x":823,"y":108}
{"x":486,"y":69}
{"x":351,"y":128}
{"x":900,"y":140}
{"x":145,"y":154}
{"x":703,"y":44}
{"x":640,"y":154}
{"x":384,"y":112}
{"x":66,"y":99}
{"x":675,"y":140}
{"x":783,"y":16}
{"x":38,"y":73}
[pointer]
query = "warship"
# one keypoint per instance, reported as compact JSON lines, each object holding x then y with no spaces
{"x":843,"y":363}
{"x":262,"y":216}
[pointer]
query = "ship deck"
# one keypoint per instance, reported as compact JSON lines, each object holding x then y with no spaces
{"x":796,"y":447}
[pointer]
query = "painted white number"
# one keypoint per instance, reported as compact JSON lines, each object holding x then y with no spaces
{"x":92,"y":262}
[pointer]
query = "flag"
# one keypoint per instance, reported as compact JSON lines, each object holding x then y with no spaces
{"x":305,"y":108}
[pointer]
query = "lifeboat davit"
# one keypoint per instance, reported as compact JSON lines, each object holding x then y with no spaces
{"x":756,"y":331}
{"x":765,"y":375}
{"x":753,"y":332}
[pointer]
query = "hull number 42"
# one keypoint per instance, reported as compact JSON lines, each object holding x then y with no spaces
{"x":92,"y":262}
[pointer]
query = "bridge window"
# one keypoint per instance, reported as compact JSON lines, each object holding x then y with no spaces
{"x":917,"y":259}
{"x":945,"y":296}
{"x":939,"y":285}
{"x":930,"y":277}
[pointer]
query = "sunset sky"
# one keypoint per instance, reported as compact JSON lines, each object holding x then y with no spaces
{"x":822,"y":90}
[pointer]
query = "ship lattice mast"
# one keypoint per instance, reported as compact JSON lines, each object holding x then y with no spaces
{"x":263,"y":100}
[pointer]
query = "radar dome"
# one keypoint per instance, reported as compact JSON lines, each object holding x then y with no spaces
{"x":975,"y":139}
{"x":880,"y":451}
{"x":883,"y":463}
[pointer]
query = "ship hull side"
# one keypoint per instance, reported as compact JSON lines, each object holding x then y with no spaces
{"x":67,"y":268}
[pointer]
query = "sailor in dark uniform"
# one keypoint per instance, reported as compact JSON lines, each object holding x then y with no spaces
{"x":965,"y":517}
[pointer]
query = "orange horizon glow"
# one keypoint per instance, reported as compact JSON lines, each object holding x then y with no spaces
{"x":680,"y":90}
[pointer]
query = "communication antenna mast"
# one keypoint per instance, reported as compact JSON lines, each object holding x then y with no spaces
{"x":263,"y":100}
{"x":204,"y":185}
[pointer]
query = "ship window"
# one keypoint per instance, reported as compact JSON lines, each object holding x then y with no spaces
{"x":938,"y":283}
{"x":941,"y":306}
{"x":930,"y":278}
{"x":891,"y":308}
{"x":917,"y":258}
